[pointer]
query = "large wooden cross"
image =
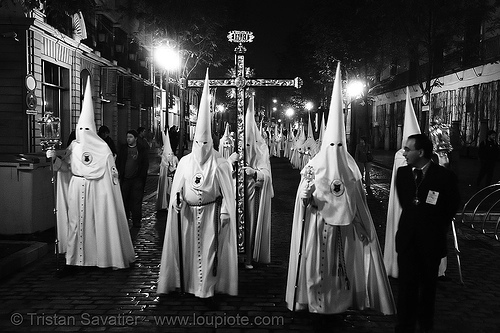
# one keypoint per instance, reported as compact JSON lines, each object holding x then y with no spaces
{"x":241,"y":83}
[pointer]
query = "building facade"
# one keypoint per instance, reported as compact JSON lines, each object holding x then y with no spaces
{"x":465,"y":96}
{"x":46,"y":62}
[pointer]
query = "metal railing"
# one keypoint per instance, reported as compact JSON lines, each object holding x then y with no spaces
{"x":482,"y":211}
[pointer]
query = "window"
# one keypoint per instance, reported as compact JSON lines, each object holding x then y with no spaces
{"x":56,"y":94}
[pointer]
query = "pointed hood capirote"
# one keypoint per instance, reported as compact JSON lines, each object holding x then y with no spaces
{"x":310,"y":146}
{"x":322,"y":129}
{"x":335,"y":170}
{"x":256,"y":149}
{"x":86,"y":120}
{"x":226,"y":143}
{"x":410,"y":125}
{"x":310,"y":133}
{"x":226,"y":138}
{"x":89,"y":151}
{"x":202,"y":141}
{"x":167,"y":153}
{"x":226,"y":131}
{"x":394,"y":208}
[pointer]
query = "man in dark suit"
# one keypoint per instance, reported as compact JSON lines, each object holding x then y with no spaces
{"x":429,"y":196}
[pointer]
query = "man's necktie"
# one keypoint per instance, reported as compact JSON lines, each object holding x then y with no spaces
{"x":418,"y":175}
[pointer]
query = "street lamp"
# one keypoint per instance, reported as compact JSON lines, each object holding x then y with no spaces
{"x":309,"y":106}
{"x":167,"y":58}
{"x":171,"y":60}
{"x":355,"y":89}
{"x":221,"y":108}
{"x":219,"y":111}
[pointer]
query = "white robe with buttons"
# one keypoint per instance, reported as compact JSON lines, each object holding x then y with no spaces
{"x":320,"y":289}
{"x":92,"y":225}
{"x":199,"y":232}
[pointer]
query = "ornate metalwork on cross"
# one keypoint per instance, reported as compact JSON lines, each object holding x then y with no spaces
{"x":241,"y":83}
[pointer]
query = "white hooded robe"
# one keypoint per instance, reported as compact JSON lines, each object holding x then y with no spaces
{"x":259,"y":191}
{"x":209,"y":247}
{"x":168,"y":165}
{"x":92,"y":215}
{"x":337,"y":271}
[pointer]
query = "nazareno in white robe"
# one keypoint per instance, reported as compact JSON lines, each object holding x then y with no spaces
{"x":226,"y":144}
{"x":92,"y":225}
{"x":320,"y":288}
{"x":198,"y":230}
{"x":260,"y":190}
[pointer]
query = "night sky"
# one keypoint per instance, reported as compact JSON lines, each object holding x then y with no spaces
{"x":272,"y":22}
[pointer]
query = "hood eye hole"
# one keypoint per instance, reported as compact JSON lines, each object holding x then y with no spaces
{"x":332,"y":144}
{"x":205,"y":142}
{"x":86,"y":128}
{"x":340,"y":144}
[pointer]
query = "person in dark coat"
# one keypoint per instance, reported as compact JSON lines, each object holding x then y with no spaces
{"x":104,"y":134}
{"x":429,"y":198}
{"x":173,"y":135}
{"x":488,"y":155}
{"x":132,"y":163}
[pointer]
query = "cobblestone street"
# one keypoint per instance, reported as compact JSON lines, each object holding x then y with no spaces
{"x":93,"y":299}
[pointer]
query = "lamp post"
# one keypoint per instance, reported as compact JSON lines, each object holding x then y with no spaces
{"x":219,"y":111}
{"x":170,"y":59}
{"x":51,"y":134}
{"x":309,"y":106}
{"x":354,"y":90}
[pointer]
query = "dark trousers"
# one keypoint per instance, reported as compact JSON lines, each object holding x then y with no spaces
{"x":417,"y":283}
{"x":132,"y":193}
